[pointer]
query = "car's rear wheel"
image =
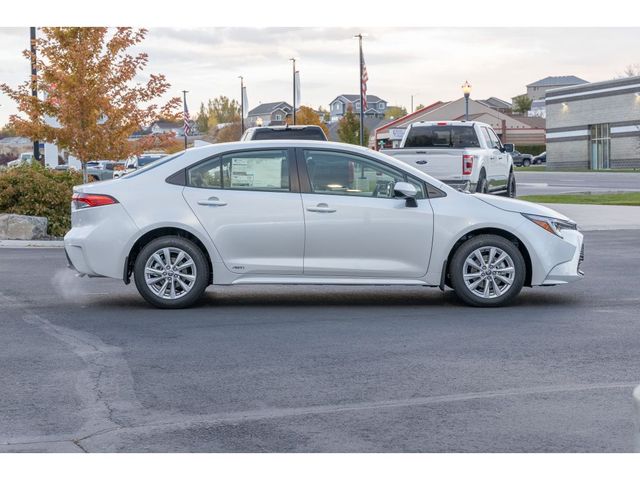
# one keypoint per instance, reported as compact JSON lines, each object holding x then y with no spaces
{"x":511,"y":185}
{"x":171,"y":272}
{"x":487,"y":271}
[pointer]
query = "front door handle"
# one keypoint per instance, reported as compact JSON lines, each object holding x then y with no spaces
{"x":422,"y":162}
{"x":321,"y":208}
{"x":212,"y":202}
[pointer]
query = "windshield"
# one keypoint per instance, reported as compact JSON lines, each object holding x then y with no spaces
{"x":442,"y":136}
{"x":290,"y":134}
{"x":151,"y":165}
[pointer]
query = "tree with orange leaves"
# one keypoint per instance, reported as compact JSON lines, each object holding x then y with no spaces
{"x":308,"y":116}
{"x":88,"y":82}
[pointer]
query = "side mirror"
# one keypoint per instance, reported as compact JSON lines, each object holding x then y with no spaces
{"x":509,"y":147}
{"x":407,"y":191}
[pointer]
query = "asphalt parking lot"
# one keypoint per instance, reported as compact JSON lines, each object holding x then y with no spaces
{"x":549,"y":183}
{"x":86,"y":365}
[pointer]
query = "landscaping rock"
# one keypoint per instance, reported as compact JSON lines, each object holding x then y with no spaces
{"x":22,"y":227}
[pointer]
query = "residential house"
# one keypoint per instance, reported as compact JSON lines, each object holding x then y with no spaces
{"x":376,"y":107}
{"x":520,"y":131}
{"x":265,"y":114}
{"x":497,"y":104}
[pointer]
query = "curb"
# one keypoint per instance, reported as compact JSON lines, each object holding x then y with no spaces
{"x":31,"y":243}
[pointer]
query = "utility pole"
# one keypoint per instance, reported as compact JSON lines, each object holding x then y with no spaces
{"x":294,"y":89}
{"x":185,"y":115}
{"x":34,"y":85}
{"x":412,"y":103}
{"x":362,"y":80}
{"x":241,"y":104}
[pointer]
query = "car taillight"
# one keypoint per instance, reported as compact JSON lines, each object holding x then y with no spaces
{"x":467,"y":164}
{"x":86,"y":200}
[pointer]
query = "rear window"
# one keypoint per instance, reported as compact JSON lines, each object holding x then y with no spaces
{"x":151,"y":165}
{"x":442,"y":136}
{"x":142,"y":161}
{"x":290,"y":134}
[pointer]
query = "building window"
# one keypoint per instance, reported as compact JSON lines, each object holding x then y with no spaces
{"x":600,"y":151}
{"x":278,"y":117}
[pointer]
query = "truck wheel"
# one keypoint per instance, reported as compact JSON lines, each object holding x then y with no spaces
{"x":526,"y":162}
{"x":511,"y":185}
{"x":483,"y":186}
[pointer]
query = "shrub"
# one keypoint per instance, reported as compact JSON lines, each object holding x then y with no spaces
{"x":39,"y":191}
{"x":531,"y":149}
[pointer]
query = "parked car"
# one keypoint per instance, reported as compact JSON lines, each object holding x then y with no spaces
{"x":134,"y":163}
{"x":94,"y":174}
{"x":464,"y":155}
{"x":519,"y":159}
{"x":539,"y":159}
{"x":285,"y":132}
{"x":307,"y":212}
{"x":25,"y":157}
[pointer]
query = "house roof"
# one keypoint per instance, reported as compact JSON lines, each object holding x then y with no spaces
{"x":354,"y":98}
{"x":494,"y":102}
{"x":534,"y":122}
{"x":268,"y":108}
{"x":420,"y":111}
{"x":565,"y":80}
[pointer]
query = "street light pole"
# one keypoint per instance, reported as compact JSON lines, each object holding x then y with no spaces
{"x":241,"y":104}
{"x":34,"y":85}
{"x":185,"y":117}
{"x":294,"y":89}
{"x":466,"y":89}
{"x":359,"y":37}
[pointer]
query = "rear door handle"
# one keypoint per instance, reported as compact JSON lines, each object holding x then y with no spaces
{"x":212,"y":202}
{"x":321,"y":208}
{"x":422,"y":162}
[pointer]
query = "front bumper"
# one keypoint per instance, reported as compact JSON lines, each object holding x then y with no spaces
{"x":571,"y":270}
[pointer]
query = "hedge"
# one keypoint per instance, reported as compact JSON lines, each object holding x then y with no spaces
{"x":531,"y":149}
{"x":39,"y":191}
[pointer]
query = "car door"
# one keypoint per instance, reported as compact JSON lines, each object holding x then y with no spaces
{"x":250,"y":205}
{"x":354,"y":225}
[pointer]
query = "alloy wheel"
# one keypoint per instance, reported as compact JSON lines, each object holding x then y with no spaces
{"x":170,"y":273}
{"x":488,"y":272}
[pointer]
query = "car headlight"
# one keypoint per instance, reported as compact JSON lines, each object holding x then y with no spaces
{"x":550,"y":224}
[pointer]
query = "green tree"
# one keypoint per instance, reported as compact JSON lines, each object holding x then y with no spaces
{"x":7,"y":131}
{"x":395,"y":112}
{"x":223,"y":110}
{"x":202,"y":120}
{"x":420,"y":107}
{"x":349,"y":129}
{"x":521,"y":104}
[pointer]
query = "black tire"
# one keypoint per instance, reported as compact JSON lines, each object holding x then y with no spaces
{"x":483,"y":185}
{"x":202,"y":272}
{"x":526,"y":162}
{"x":511,"y":185}
{"x":456,"y":271}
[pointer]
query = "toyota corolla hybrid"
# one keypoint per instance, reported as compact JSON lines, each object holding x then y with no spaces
{"x":306,"y":212}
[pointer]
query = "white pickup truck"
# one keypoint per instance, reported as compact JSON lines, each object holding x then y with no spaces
{"x":465,"y":155}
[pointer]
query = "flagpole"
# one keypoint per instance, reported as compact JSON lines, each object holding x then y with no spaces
{"x":294,"y":89}
{"x":361,"y":93}
{"x":241,"y":104}
{"x":184,"y":111}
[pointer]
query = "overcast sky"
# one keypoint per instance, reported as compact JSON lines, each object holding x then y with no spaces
{"x":431,"y":63}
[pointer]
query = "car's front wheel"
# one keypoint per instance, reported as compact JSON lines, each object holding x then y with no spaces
{"x":487,"y":271}
{"x":171,"y":272}
{"x":526,"y":162}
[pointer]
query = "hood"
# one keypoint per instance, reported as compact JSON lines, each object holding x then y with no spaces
{"x":519,"y":206}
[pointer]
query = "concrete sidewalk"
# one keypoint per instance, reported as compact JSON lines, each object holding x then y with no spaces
{"x":600,"y":217}
{"x":31,"y":243}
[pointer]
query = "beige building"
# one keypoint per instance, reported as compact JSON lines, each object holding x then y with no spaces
{"x":517,"y":130}
{"x":594,"y":126}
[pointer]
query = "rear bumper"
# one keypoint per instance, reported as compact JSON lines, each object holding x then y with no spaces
{"x":460,"y":184}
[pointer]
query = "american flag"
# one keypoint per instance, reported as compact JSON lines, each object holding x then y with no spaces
{"x":187,"y":127}
{"x":363,"y":83}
